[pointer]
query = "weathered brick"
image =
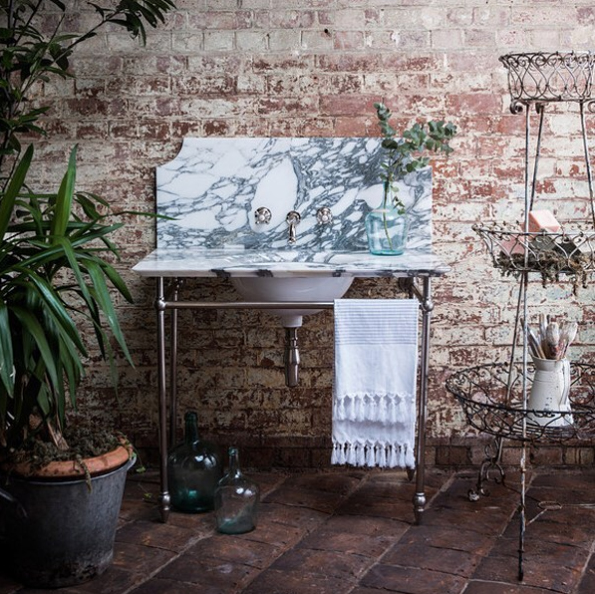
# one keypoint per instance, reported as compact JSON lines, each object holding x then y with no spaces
{"x":219,"y":40}
{"x":284,"y":39}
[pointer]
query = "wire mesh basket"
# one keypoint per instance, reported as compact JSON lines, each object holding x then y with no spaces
{"x":492,"y":398}
{"x":546,"y":77}
{"x":551,"y":254}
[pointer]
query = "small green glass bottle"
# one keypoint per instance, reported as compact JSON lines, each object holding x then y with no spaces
{"x":236,"y":499}
{"x":193,"y":469}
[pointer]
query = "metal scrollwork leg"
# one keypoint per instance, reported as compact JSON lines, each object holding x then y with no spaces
{"x":490,"y":465}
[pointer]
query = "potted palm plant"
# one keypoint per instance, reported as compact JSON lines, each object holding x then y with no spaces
{"x":61,"y":489}
{"x":387,"y":225}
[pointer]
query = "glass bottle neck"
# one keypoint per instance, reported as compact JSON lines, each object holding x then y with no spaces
{"x":234,"y":462}
{"x":191,"y":428}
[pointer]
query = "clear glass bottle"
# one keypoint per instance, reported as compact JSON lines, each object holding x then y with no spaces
{"x":236,"y":499}
{"x":193,"y":469}
{"x":387,"y":231}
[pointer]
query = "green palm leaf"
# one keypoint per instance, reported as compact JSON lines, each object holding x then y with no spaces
{"x":106,"y":305}
{"x":6,"y":355}
{"x":14,"y":187}
{"x":36,"y":333}
{"x":63,"y":202}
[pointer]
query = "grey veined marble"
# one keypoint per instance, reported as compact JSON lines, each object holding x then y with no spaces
{"x":214,"y":186}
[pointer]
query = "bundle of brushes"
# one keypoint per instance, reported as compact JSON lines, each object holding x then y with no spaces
{"x":551,"y":340}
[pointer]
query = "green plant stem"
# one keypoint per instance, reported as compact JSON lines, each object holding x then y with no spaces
{"x":387,"y":186}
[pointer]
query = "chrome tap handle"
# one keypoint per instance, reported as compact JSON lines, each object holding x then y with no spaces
{"x":262,"y":215}
{"x":293,"y":218}
{"x":324,"y":216}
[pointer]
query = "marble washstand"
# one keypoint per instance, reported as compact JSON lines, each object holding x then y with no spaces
{"x":213,"y":193}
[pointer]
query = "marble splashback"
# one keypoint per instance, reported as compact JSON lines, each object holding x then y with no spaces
{"x":214,"y":186}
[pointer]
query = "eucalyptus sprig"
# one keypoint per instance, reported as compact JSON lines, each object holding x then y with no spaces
{"x":404,"y":152}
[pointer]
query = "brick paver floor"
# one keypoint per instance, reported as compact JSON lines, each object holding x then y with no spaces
{"x":352,"y":532}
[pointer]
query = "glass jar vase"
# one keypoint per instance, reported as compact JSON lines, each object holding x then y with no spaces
{"x":236,"y":499}
{"x":386,"y":229}
{"x":193,"y":470}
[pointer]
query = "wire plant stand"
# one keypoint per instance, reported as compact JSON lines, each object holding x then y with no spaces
{"x":494,"y":396}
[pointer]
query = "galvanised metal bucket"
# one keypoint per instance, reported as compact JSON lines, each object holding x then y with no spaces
{"x":61,"y":533}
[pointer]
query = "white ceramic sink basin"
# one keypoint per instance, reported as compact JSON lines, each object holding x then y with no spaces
{"x":291,"y":288}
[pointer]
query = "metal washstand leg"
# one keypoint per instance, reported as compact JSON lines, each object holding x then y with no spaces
{"x":164,"y":498}
{"x":173,"y":368}
{"x":419,"y":498}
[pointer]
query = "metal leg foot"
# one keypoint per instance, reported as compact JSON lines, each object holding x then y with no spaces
{"x":419,"y":505}
{"x":165,"y":504}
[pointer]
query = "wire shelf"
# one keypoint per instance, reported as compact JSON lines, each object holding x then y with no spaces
{"x":492,"y":398}
{"x":549,"y":76}
{"x":551,"y":254}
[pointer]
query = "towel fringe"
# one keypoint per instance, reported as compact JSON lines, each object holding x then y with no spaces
{"x":373,"y":454}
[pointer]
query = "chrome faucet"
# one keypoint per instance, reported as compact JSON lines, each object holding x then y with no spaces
{"x":293,"y":219}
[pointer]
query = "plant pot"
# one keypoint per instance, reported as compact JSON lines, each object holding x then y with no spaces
{"x":60,"y":532}
{"x":386,"y":229}
{"x":71,"y":469}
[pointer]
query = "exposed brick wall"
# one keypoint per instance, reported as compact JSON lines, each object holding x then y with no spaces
{"x":314,"y":68}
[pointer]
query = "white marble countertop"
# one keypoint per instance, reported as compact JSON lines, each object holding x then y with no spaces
{"x":204,"y":262}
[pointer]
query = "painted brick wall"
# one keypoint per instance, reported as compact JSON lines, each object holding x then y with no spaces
{"x":314,"y":68}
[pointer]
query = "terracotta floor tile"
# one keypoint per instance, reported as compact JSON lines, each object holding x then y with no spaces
{"x":225,"y":547}
{"x":275,"y":534}
{"x":482,"y":587}
{"x":139,"y":558}
{"x":113,"y":581}
{"x":209,"y":573}
{"x":461,"y":539}
{"x":412,"y":580}
{"x":348,"y":542}
{"x":284,"y":582}
{"x":422,"y":556}
{"x":547,"y":565}
{"x":587,"y":584}
{"x":322,"y":501}
{"x":396,"y":509}
{"x":157,"y":534}
{"x":292,"y":515}
{"x":161,"y":586}
{"x":341,"y":484}
{"x":366,"y":526}
{"x":347,"y":566}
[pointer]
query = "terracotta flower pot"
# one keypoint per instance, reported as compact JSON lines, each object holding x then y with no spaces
{"x":74,"y":469}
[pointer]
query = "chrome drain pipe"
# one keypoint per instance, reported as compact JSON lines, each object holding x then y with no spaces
{"x":291,"y":358}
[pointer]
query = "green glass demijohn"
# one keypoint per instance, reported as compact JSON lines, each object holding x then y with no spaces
{"x":193,"y":469}
{"x":236,"y":499}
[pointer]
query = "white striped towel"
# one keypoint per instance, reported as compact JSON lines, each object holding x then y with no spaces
{"x":374,"y":392}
